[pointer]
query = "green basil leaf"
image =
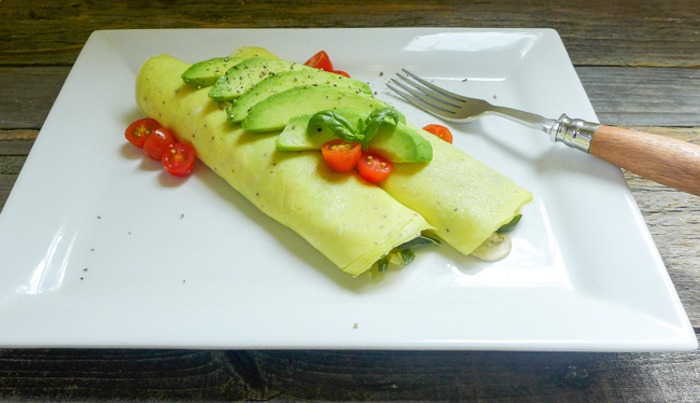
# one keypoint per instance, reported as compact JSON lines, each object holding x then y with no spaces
{"x":382,"y":265}
{"x":509,"y":226}
{"x":361,"y":127}
{"x":407,"y":256}
{"x":376,"y":119}
{"x":420,"y":240}
{"x":337,"y":124}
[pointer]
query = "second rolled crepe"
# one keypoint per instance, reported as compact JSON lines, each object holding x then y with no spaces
{"x":351,"y":222}
{"x":465,"y":200}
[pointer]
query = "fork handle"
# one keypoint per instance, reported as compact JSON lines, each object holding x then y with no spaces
{"x":668,"y":161}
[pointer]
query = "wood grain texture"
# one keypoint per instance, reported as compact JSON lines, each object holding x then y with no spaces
{"x":14,"y":148}
{"x":647,"y":33}
{"x":183,"y":375}
{"x":643,"y":96}
{"x":28,"y":94}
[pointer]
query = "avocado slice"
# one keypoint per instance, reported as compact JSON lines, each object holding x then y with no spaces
{"x":274,"y":112}
{"x":294,"y":136}
{"x":286,"y":80}
{"x":246,"y":52}
{"x":205,"y":73}
{"x":246,"y":74}
{"x":400,"y":144}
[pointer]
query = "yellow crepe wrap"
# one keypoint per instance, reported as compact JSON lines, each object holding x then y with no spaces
{"x":352,"y":223}
{"x":465,"y":200}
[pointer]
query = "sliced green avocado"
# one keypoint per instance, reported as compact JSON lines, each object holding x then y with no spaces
{"x":286,"y":80}
{"x":274,"y":112}
{"x":246,"y":74}
{"x":400,"y":144}
{"x":246,"y":52}
{"x":294,"y":137}
{"x":205,"y":73}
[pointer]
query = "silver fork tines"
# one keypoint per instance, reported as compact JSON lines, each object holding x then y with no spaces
{"x":428,"y":96}
{"x":450,"y":106}
{"x":440,"y":93}
{"x":436,"y":100}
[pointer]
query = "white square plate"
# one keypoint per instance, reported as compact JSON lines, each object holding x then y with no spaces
{"x":100,"y":248}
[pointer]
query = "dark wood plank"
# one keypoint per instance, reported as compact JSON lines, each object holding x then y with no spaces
{"x":181,"y":375}
{"x":6,"y":184}
{"x":27,"y":94}
{"x":643,"y":96}
{"x":475,"y":376}
{"x":16,"y":142}
{"x":14,"y":148}
{"x":126,"y":375}
{"x":646,"y":33}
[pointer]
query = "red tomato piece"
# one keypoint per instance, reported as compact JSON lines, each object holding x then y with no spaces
{"x":140,"y":130}
{"x":157,"y":143}
{"x":374,"y":168}
{"x":341,"y":155}
{"x":341,"y":72}
{"x":178,"y":159}
{"x":440,"y":131}
{"x":320,"y":61}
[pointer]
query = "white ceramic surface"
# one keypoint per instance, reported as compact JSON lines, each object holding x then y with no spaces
{"x":100,"y":248}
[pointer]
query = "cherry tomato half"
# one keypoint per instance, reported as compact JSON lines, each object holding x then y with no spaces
{"x":341,"y":155}
{"x":440,"y":131}
{"x":320,"y":61}
{"x":140,"y":130}
{"x":374,"y":168}
{"x":178,"y":159}
{"x":157,"y":143}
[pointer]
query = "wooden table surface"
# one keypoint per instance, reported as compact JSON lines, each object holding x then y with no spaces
{"x":639,"y":63}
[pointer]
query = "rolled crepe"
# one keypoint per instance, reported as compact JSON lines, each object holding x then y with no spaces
{"x":351,"y":222}
{"x":465,"y":200}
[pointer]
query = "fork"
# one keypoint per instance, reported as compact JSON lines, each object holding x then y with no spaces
{"x":671,"y":162}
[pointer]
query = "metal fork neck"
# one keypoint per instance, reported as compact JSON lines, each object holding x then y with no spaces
{"x":574,"y":133}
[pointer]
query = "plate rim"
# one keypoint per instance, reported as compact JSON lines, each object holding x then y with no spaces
{"x":681,"y":343}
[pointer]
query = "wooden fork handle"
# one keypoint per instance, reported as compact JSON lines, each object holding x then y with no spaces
{"x":668,"y":161}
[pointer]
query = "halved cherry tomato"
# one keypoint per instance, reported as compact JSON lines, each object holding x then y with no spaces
{"x":341,"y":155}
{"x":140,"y":130}
{"x":178,"y":159}
{"x":157,"y":143}
{"x":320,"y":61}
{"x":374,"y":168}
{"x":440,"y":131}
